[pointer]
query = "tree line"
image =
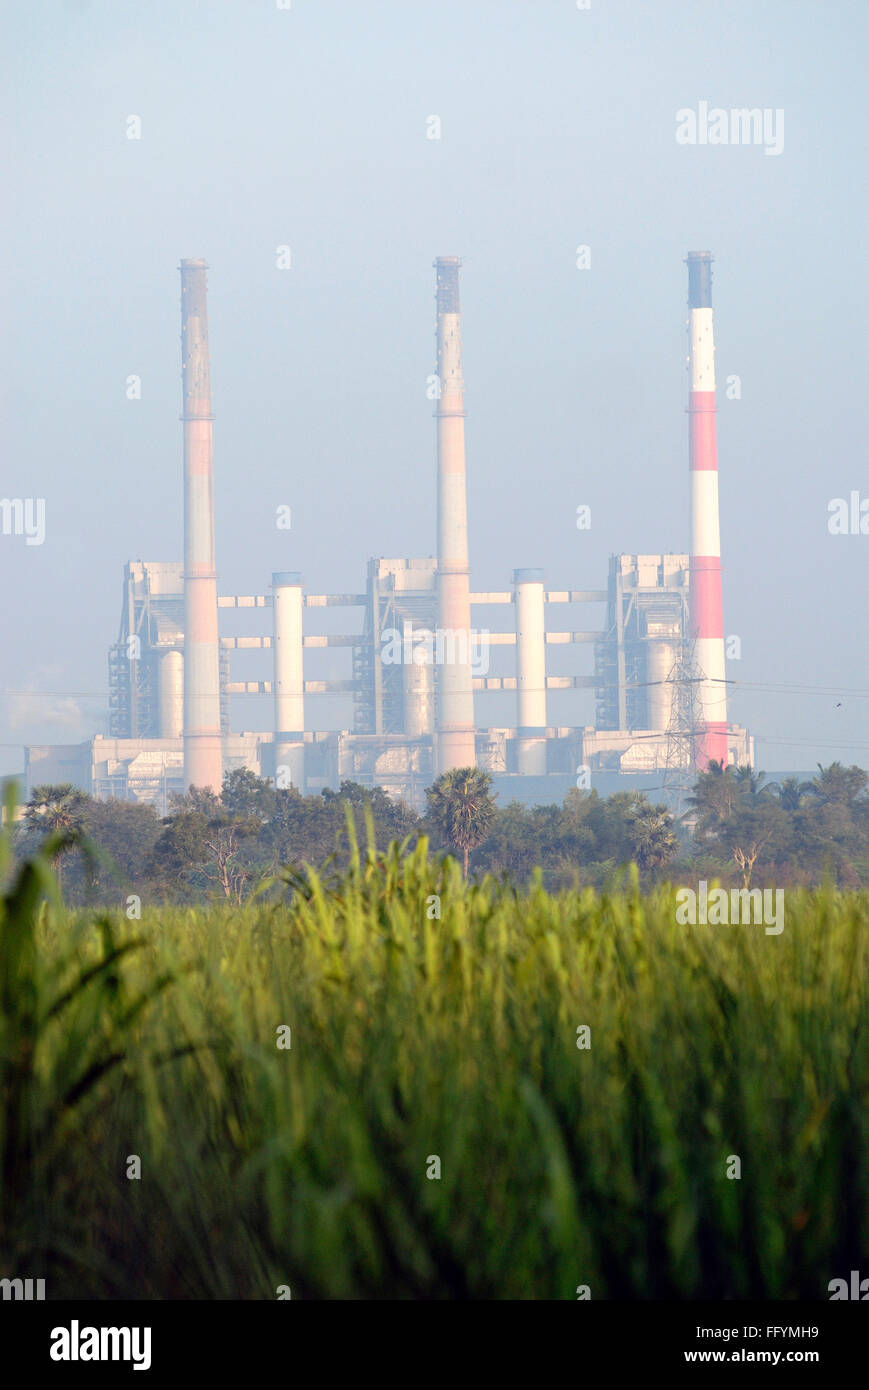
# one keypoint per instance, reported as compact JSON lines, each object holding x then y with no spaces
{"x":737,"y":827}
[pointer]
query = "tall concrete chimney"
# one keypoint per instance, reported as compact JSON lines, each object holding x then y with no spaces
{"x":530,"y":673}
{"x":203,"y":752}
{"x":455,"y":696}
{"x":706,"y":623}
{"x":289,"y":685}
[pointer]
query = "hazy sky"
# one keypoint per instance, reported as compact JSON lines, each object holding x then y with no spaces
{"x":307,"y":127}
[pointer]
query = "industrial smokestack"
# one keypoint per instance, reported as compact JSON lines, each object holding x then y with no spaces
{"x":289,"y":686}
{"x":530,"y":673}
{"x":706,"y":624}
{"x":203,"y":753}
{"x":455,"y":714}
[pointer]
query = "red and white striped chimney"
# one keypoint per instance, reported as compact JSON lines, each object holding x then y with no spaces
{"x":706,"y":623}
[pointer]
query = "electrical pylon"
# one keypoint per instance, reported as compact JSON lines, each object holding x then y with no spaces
{"x":684,"y":729}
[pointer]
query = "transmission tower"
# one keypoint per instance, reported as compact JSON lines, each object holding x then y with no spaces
{"x":683,"y":729}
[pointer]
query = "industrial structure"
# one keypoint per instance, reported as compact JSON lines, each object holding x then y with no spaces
{"x":706,"y":628}
{"x":203,"y":751}
{"x":417,"y":657}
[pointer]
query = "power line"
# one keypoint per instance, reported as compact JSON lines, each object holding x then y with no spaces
{"x":777,"y":689}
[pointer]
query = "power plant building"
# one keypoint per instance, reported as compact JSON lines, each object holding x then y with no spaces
{"x":417,"y":658}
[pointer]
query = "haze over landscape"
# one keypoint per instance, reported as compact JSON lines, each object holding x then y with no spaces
{"x":307,"y":128}
{"x":434,"y":841}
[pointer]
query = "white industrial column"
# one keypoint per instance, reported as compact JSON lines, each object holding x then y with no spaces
{"x":289,"y":687}
{"x":530,"y":673}
{"x":455,"y":695}
{"x":660,"y":660}
{"x":418,"y":649}
{"x":170,"y":695}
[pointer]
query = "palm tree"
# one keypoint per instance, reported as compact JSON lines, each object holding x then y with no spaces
{"x":837,"y":783}
{"x":790,"y":792}
{"x":462,"y":806}
{"x":721,"y":793}
{"x":55,"y":810}
{"x":750,"y":783}
{"x":654,"y":840}
{"x":713,"y":798}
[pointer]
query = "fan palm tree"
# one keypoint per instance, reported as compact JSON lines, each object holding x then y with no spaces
{"x":655,"y":842}
{"x":462,"y":806}
{"x":55,"y":809}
